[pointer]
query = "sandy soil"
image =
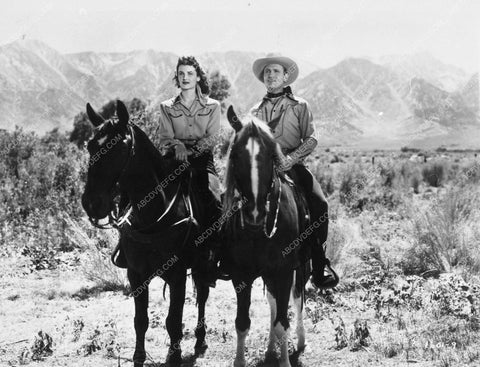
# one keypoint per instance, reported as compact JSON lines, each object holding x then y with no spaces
{"x":80,"y":320}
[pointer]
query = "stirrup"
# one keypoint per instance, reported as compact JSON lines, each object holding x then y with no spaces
{"x":326,"y":281}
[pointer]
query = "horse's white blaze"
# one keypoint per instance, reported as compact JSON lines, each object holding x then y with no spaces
{"x":101,"y":140}
{"x":254,"y":149}
{"x":273,"y":314}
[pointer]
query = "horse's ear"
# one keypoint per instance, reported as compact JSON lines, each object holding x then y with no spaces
{"x":122,"y":113}
{"x":233,"y":119}
{"x":94,"y":117}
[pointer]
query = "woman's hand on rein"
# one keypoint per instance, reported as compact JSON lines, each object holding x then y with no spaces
{"x":181,"y":152}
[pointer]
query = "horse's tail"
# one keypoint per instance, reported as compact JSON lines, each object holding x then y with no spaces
{"x":302,"y":274}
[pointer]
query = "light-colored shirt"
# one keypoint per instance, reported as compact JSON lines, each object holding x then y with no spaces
{"x":200,"y":122}
{"x":296,"y":120}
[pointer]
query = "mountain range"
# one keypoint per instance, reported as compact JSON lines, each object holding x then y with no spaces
{"x":390,"y":101}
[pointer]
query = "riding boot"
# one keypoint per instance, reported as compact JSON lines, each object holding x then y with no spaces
{"x":319,"y":263}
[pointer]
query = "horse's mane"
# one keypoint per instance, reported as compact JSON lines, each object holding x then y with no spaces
{"x":265,"y":136}
{"x":148,"y":144}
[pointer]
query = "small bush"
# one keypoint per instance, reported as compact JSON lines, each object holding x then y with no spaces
{"x":445,"y":233}
{"x":470,"y":173}
{"x":406,"y":149}
{"x":336,"y":159}
{"x":415,"y":182}
{"x":99,"y":269}
{"x":42,"y":346}
{"x":387,"y":173}
{"x":324,"y":176}
{"x":360,"y":336}
{"x":353,"y":180}
{"x":434,"y":173}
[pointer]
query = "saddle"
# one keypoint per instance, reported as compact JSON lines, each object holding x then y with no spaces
{"x":304,"y":218}
{"x":149,"y":237}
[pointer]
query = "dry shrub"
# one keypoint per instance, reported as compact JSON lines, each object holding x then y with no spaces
{"x":408,"y":175}
{"x":446,"y":233}
{"x":342,"y":245}
{"x":470,"y":173}
{"x":336,"y":241}
{"x":324,"y":175}
{"x":360,"y":335}
{"x":387,"y":173}
{"x":98,"y":267}
{"x":434,"y":173}
{"x":353,"y":181}
{"x":389,"y":346}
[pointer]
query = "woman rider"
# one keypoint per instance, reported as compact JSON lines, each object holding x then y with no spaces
{"x":189,"y":124}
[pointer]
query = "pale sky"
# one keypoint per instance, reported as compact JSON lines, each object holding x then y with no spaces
{"x":320,"y":32}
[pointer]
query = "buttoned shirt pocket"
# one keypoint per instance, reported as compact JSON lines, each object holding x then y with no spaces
{"x":207,"y":112}
{"x":195,"y":123}
{"x":203,"y":118}
{"x":178,"y":119}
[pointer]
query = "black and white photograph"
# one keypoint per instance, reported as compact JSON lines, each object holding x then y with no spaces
{"x":243,"y":183}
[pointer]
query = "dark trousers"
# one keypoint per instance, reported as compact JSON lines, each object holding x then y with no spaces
{"x":317,"y":203}
{"x":318,"y":207}
{"x":208,"y":205}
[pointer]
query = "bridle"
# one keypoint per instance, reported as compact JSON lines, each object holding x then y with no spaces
{"x":271,"y":192}
{"x":117,"y":220}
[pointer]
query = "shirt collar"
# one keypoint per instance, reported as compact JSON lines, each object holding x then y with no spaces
{"x":200,"y":97}
{"x":288,"y":93}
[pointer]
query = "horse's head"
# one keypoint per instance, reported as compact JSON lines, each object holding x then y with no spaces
{"x":251,"y":165}
{"x":109,"y":150}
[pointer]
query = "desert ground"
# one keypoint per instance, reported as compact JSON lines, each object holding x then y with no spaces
{"x":404,"y":237}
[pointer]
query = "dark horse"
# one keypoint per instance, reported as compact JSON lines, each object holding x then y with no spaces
{"x":157,"y":233}
{"x":263,"y":235}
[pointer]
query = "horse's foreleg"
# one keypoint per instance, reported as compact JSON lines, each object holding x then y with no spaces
{"x":201,"y":329}
{"x":281,"y":325}
{"x":242,"y":321}
{"x":174,"y":318}
{"x":139,"y":287}
{"x":297,"y":291}
{"x":270,"y":354}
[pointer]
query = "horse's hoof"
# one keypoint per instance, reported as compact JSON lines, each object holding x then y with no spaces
{"x":270,"y":356}
{"x":301,"y":348}
{"x":139,"y":359}
{"x":200,"y":348}
{"x":174,"y":358}
{"x":240,"y":363}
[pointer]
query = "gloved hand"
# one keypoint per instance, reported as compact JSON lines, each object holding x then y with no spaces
{"x":286,"y":163}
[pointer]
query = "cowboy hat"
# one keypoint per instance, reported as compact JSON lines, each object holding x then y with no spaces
{"x":290,"y":66}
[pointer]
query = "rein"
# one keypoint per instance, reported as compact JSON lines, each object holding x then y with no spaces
{"x":117,"y":221}
{"x":272,"y":188}
{"x":267,"y":207}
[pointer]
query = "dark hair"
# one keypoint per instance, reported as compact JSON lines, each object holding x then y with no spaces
{"x":190,"y":60}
